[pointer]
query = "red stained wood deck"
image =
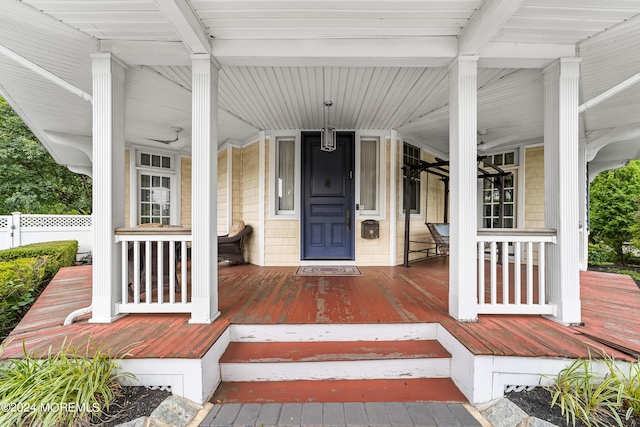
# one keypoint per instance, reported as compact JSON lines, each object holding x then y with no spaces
{"x":274,"y":295}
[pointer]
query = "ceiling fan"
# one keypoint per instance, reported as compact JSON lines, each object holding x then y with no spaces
{"x":176,"y":129}
{"x":488,"y":145}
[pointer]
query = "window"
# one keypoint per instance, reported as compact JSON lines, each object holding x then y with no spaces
{"x":491,"y":202}
{"x":411,"y":155}
{"x":503,"y":159}
{"x":369,"y":173}
{"x":154,"y":188}
{"x":155,"y":198}
{"x":285,"y":175}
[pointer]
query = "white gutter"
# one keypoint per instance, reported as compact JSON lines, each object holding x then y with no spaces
{"x":79,"y":312}
{"x":44,"y":73}
{"x":609,"y":93}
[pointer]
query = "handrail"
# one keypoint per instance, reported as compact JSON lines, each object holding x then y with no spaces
{"x":148,"y":255}
{"x":517,"y":289}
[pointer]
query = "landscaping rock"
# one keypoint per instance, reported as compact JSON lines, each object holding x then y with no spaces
{"x":175,"y":412}
{"x":504,"y":413}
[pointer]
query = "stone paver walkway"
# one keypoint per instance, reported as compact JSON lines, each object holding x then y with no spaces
{"x":432,"y":414}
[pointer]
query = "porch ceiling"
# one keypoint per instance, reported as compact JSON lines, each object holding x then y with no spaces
{"x":383,"y":63}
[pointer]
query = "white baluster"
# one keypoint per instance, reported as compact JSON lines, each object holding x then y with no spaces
{"x":505,"y":272}
{"x":481,"y":283}
{"x":516,"y":273}
{"x":493,"y":266}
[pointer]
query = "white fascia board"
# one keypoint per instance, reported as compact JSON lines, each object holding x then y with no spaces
{"x":432,"y":52}
{"x":148,"y":52}
{"x":523,"y":55}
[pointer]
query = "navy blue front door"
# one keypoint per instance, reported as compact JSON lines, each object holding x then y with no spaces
{"x":328,"y":188}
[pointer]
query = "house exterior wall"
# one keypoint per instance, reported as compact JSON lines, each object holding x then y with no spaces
{"x":249,"y":209}
{"x":431,"y":209}
{"x":236,"y":183}
{"x":185,"y":191}
{"x":281,"y":236}
{"x":534,"y":188}
{"x":376,"y":251}
{"x":127,"y":187}
{"x":223,"y":186}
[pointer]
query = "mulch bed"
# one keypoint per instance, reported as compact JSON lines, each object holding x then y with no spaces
{"x":537,"y":403}
{"x":130,"y":403}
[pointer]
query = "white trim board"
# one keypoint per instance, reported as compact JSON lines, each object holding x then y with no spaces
{"x":193,"y":379}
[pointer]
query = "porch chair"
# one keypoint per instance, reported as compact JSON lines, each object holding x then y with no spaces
{"x":230,"y":245}
{"x":440,"y":233}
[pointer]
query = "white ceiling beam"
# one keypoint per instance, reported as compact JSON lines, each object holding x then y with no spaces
{"x":412,"y":52}
{"x":186,"y":24}
{"x":523,"y":55}
{"x":485,"y":24}
{"x":609,"y":93}
{"x":148,"y":52}
{"x":436,"y":52}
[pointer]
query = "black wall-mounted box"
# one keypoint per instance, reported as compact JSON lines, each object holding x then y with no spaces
{"x":370,"y":229}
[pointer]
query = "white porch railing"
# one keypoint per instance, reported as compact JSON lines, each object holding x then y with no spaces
{"x":505,"y":288}
{"x":155,"y":270}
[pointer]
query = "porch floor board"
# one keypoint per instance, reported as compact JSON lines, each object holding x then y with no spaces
{"x":274,"y":295}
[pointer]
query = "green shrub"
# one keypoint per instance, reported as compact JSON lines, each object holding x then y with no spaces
{"x":24,"y":271}
{"x":599,"y":253}
{"x":630,"y":381}
{"x":63,"y":389}
{"x":20,"y":283}
{"x":597,"y":399}
{"x":60,"y":254}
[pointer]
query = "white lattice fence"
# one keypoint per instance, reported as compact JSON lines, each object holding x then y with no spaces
{"x":52,"y":221}
{"x":19,"y":229}
{"x":5,"y":232}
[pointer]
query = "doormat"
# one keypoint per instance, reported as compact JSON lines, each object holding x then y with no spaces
{"x":328,"y":270}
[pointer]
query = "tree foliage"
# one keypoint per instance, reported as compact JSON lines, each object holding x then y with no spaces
{"x":615,"y":205}
{"x":30,"y":179}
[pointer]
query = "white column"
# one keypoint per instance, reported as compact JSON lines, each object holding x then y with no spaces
{"x":463,"y":191}
{"x":204,"y":178}
{"x":561,"y":186}
{"x":108,"y":183}
{"x":262,"y":155}
{"x":393,"y":203}
{"x":583,"y":203}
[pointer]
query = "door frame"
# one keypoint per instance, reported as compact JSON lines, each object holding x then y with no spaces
{"x":350,"y":204}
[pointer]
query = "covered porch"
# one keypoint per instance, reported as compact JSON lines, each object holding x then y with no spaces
{"x":183,"y":112}
{"x":496,"y":352}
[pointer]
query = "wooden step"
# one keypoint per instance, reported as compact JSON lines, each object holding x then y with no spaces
{"x":273,"y":352}
{"x":289,"y":361}
{"x":388,"y":390}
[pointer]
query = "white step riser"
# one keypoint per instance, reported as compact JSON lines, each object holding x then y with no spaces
{"x":345,"y":370}
{"x":342,"y":332}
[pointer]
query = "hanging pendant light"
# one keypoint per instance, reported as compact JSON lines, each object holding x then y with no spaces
{"x":328,"y":134}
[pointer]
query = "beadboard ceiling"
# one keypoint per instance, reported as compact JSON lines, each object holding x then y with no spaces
{"x":383,"y":64}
